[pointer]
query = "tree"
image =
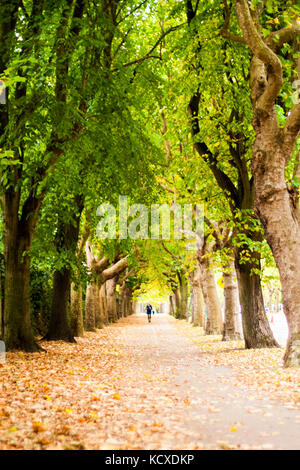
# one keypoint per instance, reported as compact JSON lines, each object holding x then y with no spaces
{"x":276,"y":204}
{"x":30,"y":49}
{"x":232,"y":176}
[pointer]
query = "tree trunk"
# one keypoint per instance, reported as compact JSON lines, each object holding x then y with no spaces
{"x":256,"y":328}
{"x":123,"y":301}
{"x":278,"y":210}
{"x":76,"y":316}
{"x":103,"y":304}
{"x":134,"y":307}
{"x":128,"y":304}
{"x":172,"y":307}
{"x":197,"y":299}
{"x":1,"y":308}
{"x":275,"y":209}
{"x":66,"y":244}
{"x":111,"y":285}
{"x":17,"y":237}
{"x":184,"y":298}
{"x":59,"y":328}
{"x":231,"y":323}
{"x":17,"y":326}
{"x":214,"y":323}
{"x":276,"y":205}
{"x":90,"y":302}
{"x":97,"y":306}
{"x":177,"y":303}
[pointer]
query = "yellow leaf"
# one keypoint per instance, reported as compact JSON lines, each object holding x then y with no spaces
{"x":69,"y":410}
{"x":13,"y":429}
{"x":116,"y":396}
{"x":38,"y":426}
{"x":132,"y":428}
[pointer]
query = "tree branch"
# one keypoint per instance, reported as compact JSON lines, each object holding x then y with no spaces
{"x":292,"y":125}
{"x":223,"y":180}
{"x":262,"y":52}
{"x":224,"y":30}
{"x":111,"y":272}
{"x":130,"y":13}
{"x":277,"y":38}
{"x":149,"y":53}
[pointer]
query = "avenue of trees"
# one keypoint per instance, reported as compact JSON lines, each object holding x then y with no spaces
{"x":165,"y":102}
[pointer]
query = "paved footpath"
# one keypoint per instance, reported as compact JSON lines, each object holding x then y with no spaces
{"x":173,"y":397}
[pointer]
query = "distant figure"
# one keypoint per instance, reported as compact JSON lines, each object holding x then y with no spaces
{"x":149,"y":311}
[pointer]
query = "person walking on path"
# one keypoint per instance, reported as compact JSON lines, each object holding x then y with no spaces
{"x":149,"y":312}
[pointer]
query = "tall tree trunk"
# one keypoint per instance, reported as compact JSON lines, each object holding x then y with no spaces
{"x":97,"y":306}
{"x":134,"y":307}
{"x":256,"y":328}
{"x":111,"y":285}
{"x":66,"y":241}
{"x":282,"y":230}
{"x":231,"y":323}
{"x":17,"y":326}
{"x":214,"y":323}
{"x":197,"y":299}
{"x":76,"y":314}
{"x":17,"y":237}
{"x":90,"y":309}
{"x":184,"y":298}
{"x":128,"y":304}
{"x":276,"y":205}
{"x":103,"y":304}
{"x":59,"y":328}
{"x":177,"y":303}
{"x":1,"y":308}
{"x":172,"y":307}
{"x":121,"y":302}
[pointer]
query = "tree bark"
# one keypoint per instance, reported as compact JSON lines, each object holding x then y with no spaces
{"x":1,"y":308}
{"x":76,"y":314}
{"x":103,"y":304}
{"x":177,"y":303}
{"x":90,"y":307}
{"x":214,"y":322}
{"x":184,"y":298}
{"x":197,"y":299}
{"x":231,"y":323}
{"x":66,"y":241}
{"x":128,"y":302}
{"x":17,"y":325}
{"x":98,"y":318}
{"x":256,"y":328}
{"x":278,"y":215}
{"x":111,"y":285}
{"x":172,"y":308}
{"x":59,"y":328}
{"x":17,"y":235}
{"x":276,"y":206}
